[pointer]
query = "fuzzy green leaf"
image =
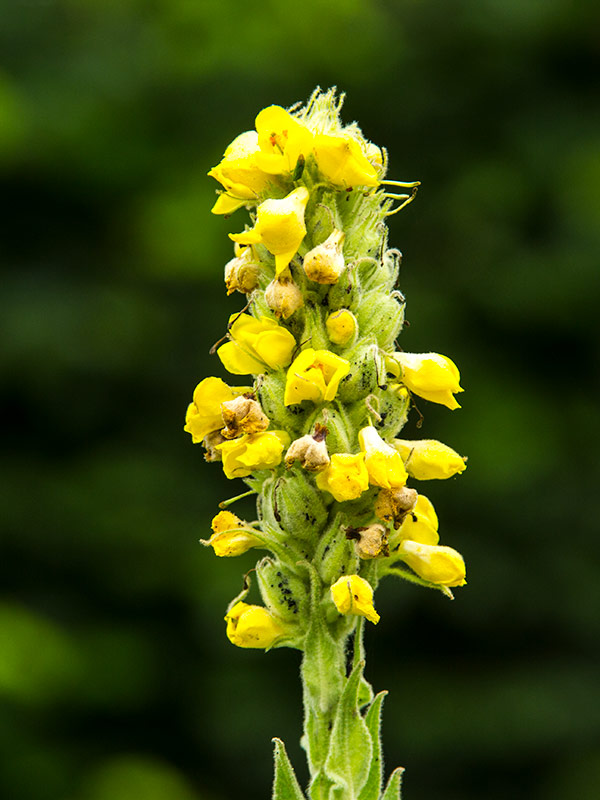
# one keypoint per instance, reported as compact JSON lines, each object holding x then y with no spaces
{"x":392,"y":790}
{"x":372,"y":787}
{"x":350,"y":751}
{"x":285,"y":783}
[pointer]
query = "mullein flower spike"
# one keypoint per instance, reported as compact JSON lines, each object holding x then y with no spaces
{"x":315,"y":435}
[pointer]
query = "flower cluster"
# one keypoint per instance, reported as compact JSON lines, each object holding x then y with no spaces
{"x":329,"y":393}
{"x":314,"y":432}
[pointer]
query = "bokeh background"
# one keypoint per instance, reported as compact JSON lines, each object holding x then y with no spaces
{"x":116,"y":680}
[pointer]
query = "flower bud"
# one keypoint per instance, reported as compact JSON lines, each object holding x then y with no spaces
{"x":428,"y":459}
{"x":310,"y":450}
{"x":365,"y":368}
{"x":299,"y":507}
{"x":241,"y":273}
{"x":352,"y":594}
{"x":283,"y":296}
{"x":441,"y":565}
{"x":325,"y":262}
{"x":381,"y":315}
{"x":270,"y":390}
{"x":393,"y":505}
{"x":346,"y":478}
{"x":369,"y":542}
{"x":230,"y":535}
{"x":283,"y":593}
{"x":341,"y":327}
{"x":243,"y":415}
{"x":252,"y":626}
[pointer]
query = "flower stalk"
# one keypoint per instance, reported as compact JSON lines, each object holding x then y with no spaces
{"x":314,"y":432}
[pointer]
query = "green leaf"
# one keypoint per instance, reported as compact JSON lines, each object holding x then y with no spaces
{"x":350,"y":751}
{"x":392,"y":790}
{"x":372,"y":787}
{"x":285,"y":783}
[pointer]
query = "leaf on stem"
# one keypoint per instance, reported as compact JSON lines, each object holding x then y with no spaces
{"x":285,"y":783}
{"x":392,"y":790}
{"x":372,"y":787}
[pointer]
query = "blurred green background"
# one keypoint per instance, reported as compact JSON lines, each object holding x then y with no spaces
{"x":116,"y":680}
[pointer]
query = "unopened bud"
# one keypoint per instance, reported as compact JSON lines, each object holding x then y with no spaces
{"x":242,"y":415}
{"x":310,"y":451}
{"x":392,"y":505}
{"x":241,"y":273}
{"x":283,"y":296}
{"x":369,"y":542}
{"x":341,"y":326}
{"x":325,"y":262}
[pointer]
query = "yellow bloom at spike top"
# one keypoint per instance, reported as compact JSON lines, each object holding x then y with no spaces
{"x":352,"y":594}
{"x":314,"y":375}
{"x":343,"y":163}
{"x":239,"y":174}
{"x":279,"y":227}
{"x":315,"y":434}
{"x":282,"y":140}
{"x":256,"y":344}
{"x":252,"y":626}
{"x":204,"y":413}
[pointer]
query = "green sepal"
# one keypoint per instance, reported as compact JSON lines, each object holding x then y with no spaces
{"x":372,"y":787}
{"x":299,"y":506}
{"x":392,"y":790}
{"x":282,"y":591}
{"x":350,"y":751}
{"x":285,"y":783}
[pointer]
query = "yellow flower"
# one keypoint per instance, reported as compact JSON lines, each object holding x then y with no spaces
{"x":341,"y":160}
{"x":441,"y":565}
{"x":383,"y":463}
{"x":256,"y":343}
{"x":346,"y":478}
{"x":252,"y":626}
{"x":430,"y":375}
{"x":252,"y":452}
{"x":282,"y":140}
{"x":427,"y":459}
{"x":352,"y":594}
{"x":341,"y":326}
{"x":239,"y":174}
{"x":314,"y":375}
{"x":325,"y":262}
{"x":204,"y":413}
{"x":421,"y":524}
{"x":230,"y":536}
{"x":279,"y":227}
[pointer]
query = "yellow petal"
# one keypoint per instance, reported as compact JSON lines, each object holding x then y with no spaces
{"x":440,"y":565}
{"x":352,"y":594}
{"x":428,"y":459}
